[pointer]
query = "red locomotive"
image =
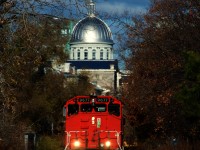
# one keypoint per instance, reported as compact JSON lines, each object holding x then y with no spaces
{"x":93,"y":122}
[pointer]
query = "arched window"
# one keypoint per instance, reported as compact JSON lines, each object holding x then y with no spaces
{"x":85,"y":54}
{"x":101,"y":54}
{"x":107,"y":54}
{"x":78,"y":54}
{"x":93,"y":54}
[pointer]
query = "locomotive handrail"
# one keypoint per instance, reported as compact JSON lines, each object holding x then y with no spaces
{"x":68,"y":137}
{"x":117,"y":135}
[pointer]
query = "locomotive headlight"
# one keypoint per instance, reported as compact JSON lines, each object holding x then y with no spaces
{"x":77,"y":143}
{"x":93,"y":100}
{"x":107,"y":144}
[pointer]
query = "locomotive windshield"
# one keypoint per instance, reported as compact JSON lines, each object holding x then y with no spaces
{"x":86,"y":107}
{"x":114,"y":109}
{"x":72,"y":109}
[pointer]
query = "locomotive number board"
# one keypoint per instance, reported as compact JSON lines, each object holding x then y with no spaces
{"x":84,"y":99}
{"x":102,"y":100}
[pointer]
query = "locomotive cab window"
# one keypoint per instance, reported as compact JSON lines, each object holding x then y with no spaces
{"x":86,"y":107}
{"x":100,"y":107}
{"x":72,"y":109}
{"x":114,"y":109}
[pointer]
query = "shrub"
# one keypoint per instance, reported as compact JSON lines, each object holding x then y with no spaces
{"x":49,"y":143}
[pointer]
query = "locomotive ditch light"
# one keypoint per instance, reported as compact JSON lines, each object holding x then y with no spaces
{"x":102,"y":145}
{"x":77,"y":143}
{"x":107,"y":143}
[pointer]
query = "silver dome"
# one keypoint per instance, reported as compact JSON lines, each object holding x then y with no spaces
{"x":91,"y":30}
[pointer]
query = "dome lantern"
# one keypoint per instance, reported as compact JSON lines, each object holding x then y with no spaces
{"x":91,"y":8}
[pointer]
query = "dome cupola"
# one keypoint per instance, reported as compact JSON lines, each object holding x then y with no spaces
{"x":91,"y":29}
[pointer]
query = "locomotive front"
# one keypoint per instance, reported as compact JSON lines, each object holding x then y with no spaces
{"x":93,"y":122}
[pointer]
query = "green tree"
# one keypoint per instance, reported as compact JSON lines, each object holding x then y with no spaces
{"x":189,"y":94}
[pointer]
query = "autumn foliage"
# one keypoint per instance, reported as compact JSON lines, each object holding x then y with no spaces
{"x":32,"y":93}
{"x":157,"y":98}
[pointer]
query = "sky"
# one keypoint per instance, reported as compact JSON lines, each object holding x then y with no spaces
{"x":122,"y":5}
{"x":108,"y":6}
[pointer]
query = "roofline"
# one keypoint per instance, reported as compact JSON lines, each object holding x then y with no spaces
{"x":93,"y":60}
{"x":74,"y":43}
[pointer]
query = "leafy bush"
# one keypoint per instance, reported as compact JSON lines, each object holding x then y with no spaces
{"x":49,"y":143}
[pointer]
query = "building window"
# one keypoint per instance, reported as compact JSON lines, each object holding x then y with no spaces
{"x":78,"y":54}
{"x":64,"y":32}
{"x":107,"y":54}
{"x":93,"y":54}
{"x":101,"y":54}
{"x":72,"y":54}
{"x":85,"y":54}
